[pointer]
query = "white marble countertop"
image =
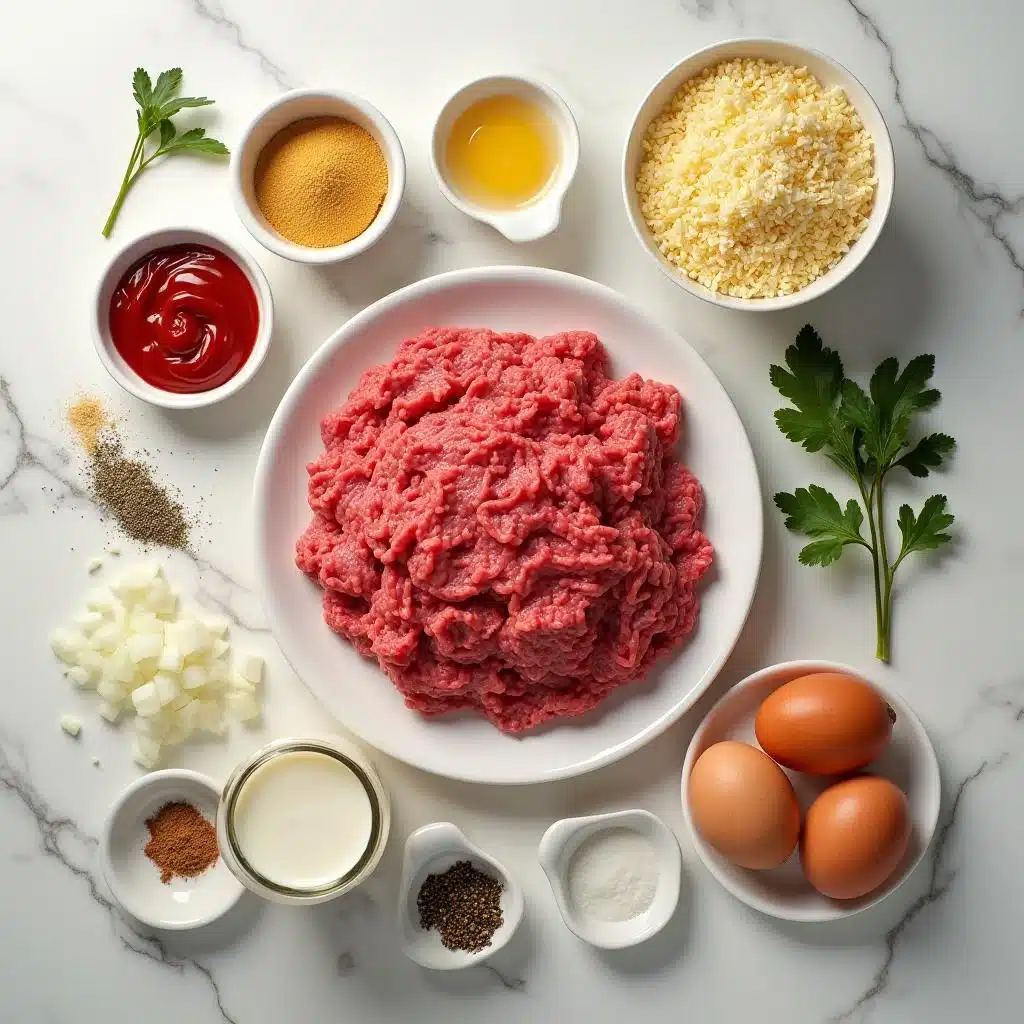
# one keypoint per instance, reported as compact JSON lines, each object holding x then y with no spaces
{"x":947,"y":277}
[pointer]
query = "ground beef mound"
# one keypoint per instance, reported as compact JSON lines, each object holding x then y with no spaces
{"x":503,"y":527}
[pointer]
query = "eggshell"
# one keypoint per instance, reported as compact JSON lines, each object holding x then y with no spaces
{"x":827,"y":723}
{"x":855,"y":835}
{"x":743,"y":805}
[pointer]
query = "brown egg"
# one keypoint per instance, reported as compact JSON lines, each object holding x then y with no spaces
{"x":743,"y":805}
{"x":855,"y":836}
{"x":824,"y":724}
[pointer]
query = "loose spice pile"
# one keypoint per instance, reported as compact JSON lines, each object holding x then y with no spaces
{"x":463,"y":904}
{"x":124,"y":485}
{"x":182,"y":842}
{"x":142,"y":508}
{"x":321,"y":181}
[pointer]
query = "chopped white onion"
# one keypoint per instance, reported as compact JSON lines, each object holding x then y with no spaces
{"x":168,"y":663}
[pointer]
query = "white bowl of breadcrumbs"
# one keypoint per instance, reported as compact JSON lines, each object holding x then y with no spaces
{"x":758,"y":174}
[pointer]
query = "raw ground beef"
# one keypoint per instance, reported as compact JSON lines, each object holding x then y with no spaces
{"x":503,"y":527}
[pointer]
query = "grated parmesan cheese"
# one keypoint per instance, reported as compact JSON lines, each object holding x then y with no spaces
{"x":755,"y":179}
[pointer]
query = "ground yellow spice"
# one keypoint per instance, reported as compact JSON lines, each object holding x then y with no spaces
{"x":88,"y":419}
{"x":321,"y":181}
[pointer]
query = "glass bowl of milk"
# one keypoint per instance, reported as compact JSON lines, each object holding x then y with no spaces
{"x":303,"y":821}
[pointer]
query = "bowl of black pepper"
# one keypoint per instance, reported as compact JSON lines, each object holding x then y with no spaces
{"x":457,"y":904}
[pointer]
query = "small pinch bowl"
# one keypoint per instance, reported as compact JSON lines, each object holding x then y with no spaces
{"x":543,"y":214}
{"x":285,"y":110}
{"x":112,"y":360}
{"x":909,"y":761}
{"x":431,"y":850}
{"x":564,"y":838}
{"x":827,"y":71}
{"x":134,"y":881}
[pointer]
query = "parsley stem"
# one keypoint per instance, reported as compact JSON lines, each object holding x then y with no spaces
{"x":883,"y":553}
{"x":882,"y":643}
{"x":126,"y":183}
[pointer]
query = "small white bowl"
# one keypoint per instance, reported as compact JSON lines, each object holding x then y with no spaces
{"x":112,"y":360}
{"x":134,"y":880}
{"x":829,"y":72}
{"x":909,"y":761}
{"x":565,"y":837}
{"x":542,"y":215}
{"x":285,"y":110}
{"x":432,"y":850}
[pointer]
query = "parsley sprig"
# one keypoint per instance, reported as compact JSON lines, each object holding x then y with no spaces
{"x":867,"y":435}
{"x":157,"y":105}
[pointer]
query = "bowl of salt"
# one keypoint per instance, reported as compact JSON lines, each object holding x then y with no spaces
{"x":615,"y":877}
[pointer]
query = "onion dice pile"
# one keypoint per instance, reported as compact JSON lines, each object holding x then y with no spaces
{"x":170,"y":666}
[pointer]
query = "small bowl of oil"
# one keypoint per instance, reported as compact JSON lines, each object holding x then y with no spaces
{"x":505,"y":152}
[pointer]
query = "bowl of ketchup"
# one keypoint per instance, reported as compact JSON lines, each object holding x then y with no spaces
{"x":183,"y":318}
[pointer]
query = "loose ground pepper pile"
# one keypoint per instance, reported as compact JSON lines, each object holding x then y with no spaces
{"x":142,"y":508}
{"x":182,"y":842}
{"x":124,"y":484}
{"x":463,"y":904}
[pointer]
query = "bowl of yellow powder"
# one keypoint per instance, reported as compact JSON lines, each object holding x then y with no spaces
{"x":758,"y":174}
{"x":318,"y":176}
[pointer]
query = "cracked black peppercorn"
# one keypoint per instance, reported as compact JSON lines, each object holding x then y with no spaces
{"x":463,"y":904}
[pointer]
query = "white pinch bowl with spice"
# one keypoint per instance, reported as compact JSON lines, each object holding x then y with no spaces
{"x":432,"y":850}
{"x":829,"y":73}
{"x":541,"y":215}
{"x":564,"y":839}
{"x":908,"y":760}
{"x":115,"y":364}
{"x":134,"y":879}
{"x":297,"y":106}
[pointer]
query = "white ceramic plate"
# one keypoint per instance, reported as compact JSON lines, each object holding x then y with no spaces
{"x":909,"y":761}
{"x":355,"y":690}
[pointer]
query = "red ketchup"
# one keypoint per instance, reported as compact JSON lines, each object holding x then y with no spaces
{"x":184,"y":318}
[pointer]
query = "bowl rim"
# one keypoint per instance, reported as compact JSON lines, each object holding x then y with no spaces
{"x":394,"y":155}
{"x":110,"y":876}
{"x":568,"y":130}
{"x":115,"y":268}
{"x":884,"y":158}
{"x":924,"y":748}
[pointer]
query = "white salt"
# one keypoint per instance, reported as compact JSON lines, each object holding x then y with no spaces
{"x":613,"y":875}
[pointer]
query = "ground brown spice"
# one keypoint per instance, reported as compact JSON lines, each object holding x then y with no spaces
{"x":182,"y":842}
{"x":463,"y":904}
{"x":88,"y":419}
{"x":126,"y":489}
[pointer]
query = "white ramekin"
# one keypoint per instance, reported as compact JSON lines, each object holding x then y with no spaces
{"x":285,"y":110}
{"x":112,"y":360}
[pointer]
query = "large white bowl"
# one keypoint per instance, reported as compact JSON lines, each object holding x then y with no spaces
{"x":354,"y":689}
{"x":909,"y":761}
{"x":828,"y":72}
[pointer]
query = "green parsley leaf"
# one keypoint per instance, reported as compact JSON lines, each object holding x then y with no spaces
{"x":195,"y":141}
{"x":928,"y":454}
{"x":817,"y":513}
{"x":897,"y":396}
{"x":925,"y":531}
{"x":167,"y":84}
{"x":142,"y":89}
{"x":813,"y":384}
{"x":167,"y":133}
{"x":171,"y":107}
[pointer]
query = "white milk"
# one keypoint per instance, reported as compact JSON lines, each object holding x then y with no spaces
{"x":303,"y":819}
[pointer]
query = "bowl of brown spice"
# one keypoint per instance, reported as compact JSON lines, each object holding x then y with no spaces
{"x":318,"y":176}
{"x":159,"y":852}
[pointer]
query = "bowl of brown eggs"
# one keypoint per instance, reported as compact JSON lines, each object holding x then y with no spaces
{"x":811,"y":792}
